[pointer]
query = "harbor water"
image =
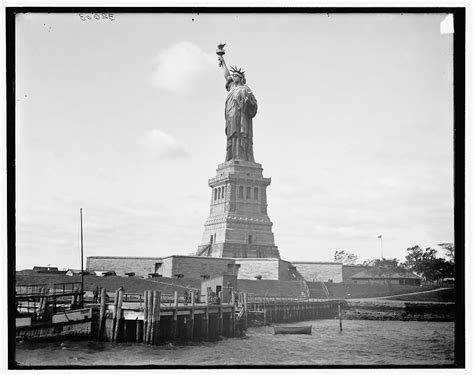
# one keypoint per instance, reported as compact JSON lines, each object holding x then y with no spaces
{"x":362,"y":342}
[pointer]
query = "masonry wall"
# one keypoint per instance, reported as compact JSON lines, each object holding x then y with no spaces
{"x":268,"y":268}
{"x":193,"y":266}
{"x":271,"y":288}
{"x":283,"y":271}
{"x":320,"y":271}
{"x":122,"y":265}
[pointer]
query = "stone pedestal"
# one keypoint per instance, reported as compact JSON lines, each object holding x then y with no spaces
{"x":238,"y":225}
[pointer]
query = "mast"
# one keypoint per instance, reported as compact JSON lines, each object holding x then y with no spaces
{"x":82,"y":266}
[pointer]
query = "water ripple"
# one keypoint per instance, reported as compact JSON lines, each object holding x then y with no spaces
{"x":360,"y":343}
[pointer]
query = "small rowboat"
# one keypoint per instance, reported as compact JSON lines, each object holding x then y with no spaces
{"x":291,"y":330}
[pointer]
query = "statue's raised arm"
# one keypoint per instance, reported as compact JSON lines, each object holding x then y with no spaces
{"x":220,"y":57}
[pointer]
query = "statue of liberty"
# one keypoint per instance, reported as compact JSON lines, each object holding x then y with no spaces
{"x":240,"y":109}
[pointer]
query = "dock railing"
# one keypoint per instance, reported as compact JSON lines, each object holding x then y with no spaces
{"x":58,"y":289}
{"x":271,"y":300}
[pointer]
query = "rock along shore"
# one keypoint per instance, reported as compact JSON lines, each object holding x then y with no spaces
{"x":379,"y":309}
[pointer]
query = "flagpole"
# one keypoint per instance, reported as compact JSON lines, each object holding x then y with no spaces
{"x":381,"y":245}
{"x":82,"y":266}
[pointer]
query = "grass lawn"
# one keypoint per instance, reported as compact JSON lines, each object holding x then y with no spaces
{"x":444,"y":295}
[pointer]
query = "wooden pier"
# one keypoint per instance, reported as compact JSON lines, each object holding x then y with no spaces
{"x":283,"y":310}
{"x":152,"y":318}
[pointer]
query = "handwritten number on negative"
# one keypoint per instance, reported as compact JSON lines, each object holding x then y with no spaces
{"x":97,"y":16}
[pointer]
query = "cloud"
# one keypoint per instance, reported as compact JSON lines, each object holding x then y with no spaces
{"x":180,"y":67}
{"x":159,"y":144}
{"x":344,"y":232}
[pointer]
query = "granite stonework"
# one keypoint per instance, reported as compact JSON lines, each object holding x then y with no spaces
{"x":320,"y":271}
{"x":193,"y":267}
{"x":141,"y":266}
{"x":266,"y":268}
{"x":238,"y":225}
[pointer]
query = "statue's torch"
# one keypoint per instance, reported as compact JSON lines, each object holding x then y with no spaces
{"x":220,"y":52}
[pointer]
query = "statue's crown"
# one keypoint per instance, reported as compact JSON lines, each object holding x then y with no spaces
{"x":236,"y":70}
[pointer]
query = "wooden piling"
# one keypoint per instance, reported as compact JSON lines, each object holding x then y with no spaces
{"x":205,"y":321}
{"x":118,"y":316}
{"x":155,"y":322}
{"x":152,"y":317}
{"x":103,"y":294}
{"x":145,"y":316}
{"x":114,"y":316}
{"x":245,"y":311}
{"x":175,"y":315}
{"x":138,"y":335}
{"x":220,"y":320}
{"x":232,"y":322}
{"x":149,"y":317}
{"x":190,"y":328}
{"x":340,"y":318}
{"x":264,"y":315}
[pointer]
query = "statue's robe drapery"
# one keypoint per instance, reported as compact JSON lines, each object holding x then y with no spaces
{"x":240,"y":109}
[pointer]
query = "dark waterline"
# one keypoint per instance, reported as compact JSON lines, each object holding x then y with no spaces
{"x":361,"y":342}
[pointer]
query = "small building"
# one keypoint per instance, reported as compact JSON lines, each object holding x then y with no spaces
{"x":365,"y":277}
{"x":47,"y":269}
{"x":349,"y":270}
{"x":220,"y":286}
{"x":75,"y":272}
{"x":104,"y":273}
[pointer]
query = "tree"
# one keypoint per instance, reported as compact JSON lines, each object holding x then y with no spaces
{"x":383,"y":266}
{"x":345,"y":258}
{"x":427,"y":264}
{"x":414,"y":259}
{"x":449,"y":248}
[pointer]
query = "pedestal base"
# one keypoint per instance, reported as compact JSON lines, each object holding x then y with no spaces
{"x":238,"y":225}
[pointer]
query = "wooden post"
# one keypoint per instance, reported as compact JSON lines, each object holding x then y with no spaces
{"x":114,"y":316}
{"x":149,"y":317}
{"x":340,"y":318}
{"x":245,"y":311}
{"x":205,"y":321}
{"x":73,"y":297}
{"x":264,"y":315}
{"x":220,"y":319}
{"x":175,"y":315}
{"x":103,"y":294}
{"x":152,"y":317}
{"x":145,"y":316}
{"x":118,"y":316}
{"x":191,"y":320}
{"x":232,"y":321}
{"x":155,"y":317}
{"x":138,"y":337}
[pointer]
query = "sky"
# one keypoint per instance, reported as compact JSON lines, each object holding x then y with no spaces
{"x":125,"y":119}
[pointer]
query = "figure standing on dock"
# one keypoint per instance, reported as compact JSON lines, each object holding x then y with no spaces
{"x":96,"y":295}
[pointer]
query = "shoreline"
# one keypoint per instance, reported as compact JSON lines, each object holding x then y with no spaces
{"x":378,"y":309}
